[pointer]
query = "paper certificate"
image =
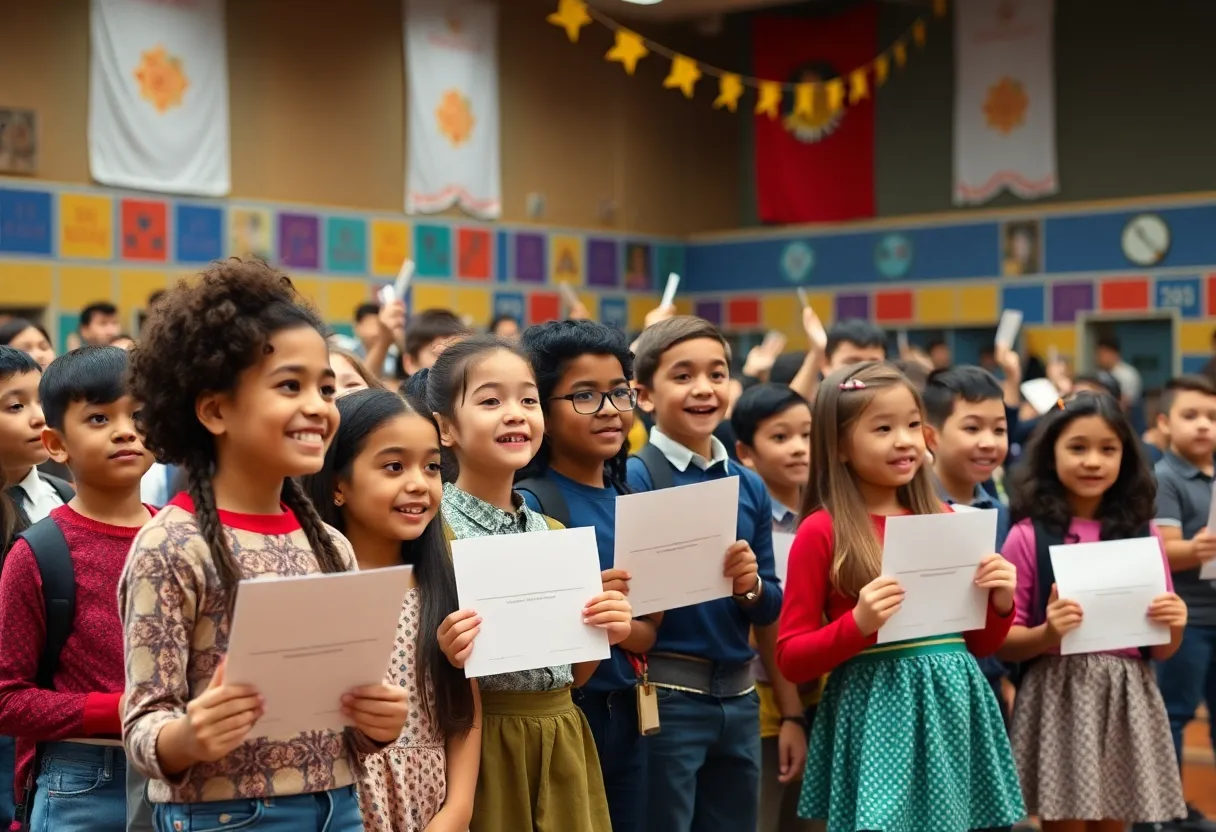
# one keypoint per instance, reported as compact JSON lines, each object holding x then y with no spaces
{"x":782,"y":543}
{"x":303,"y":661}
{"x":1114,"y":581}
{"x":673,"y":543}
{"x":935,"y":558}
{"x":1207,"y":572}
{"x":530,"y":590}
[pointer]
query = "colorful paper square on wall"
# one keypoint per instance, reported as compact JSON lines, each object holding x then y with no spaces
{"x":893,"y":307}
{"x":346,"y":245}
{"x":1031,"y":300}
{"x":510,"y":304}
{"x":670,"y":260}
{"x":25,"y":222}
{"x":199,"y":230}
{"x":601,"y":263}
{"x":473,"y":253}
{"x":300,"y":241}
{"x":710,"y":310}
{"x":502,"y":262}
{"x":1124,"y":294}
{"x":86,"y":227}
{"x":543,"y":307}
{"x":638,"y":271}
{"x":852,"y":306}
{"x":390,"y":246}
{"x":249,"y":234}
{"x":743,"y":313}
{"x":614,"y":312}
{"x":1181,"y":293}
{"x":144,"y":230}
{"x":433,"y":250}
{"x":566,"y":260}
{"x":530,"y":258}
{"x":1068,"y":299}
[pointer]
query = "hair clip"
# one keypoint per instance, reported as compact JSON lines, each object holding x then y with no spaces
{"x":853,"y":384}
{"x":1060,"y":403}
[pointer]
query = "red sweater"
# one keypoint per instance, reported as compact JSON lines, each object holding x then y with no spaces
{"x":807,"y":648}
{"x":89,"y":681}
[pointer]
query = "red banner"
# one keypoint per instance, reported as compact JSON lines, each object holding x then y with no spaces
{"x":818,"y":168}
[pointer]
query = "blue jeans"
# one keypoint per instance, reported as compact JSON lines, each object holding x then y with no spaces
{"x":336,"y":810}
{"x":8,"y":792}
{"x":1188,"y":678}
{"x":704,"y":773}
{"x":613,"y":718}
{"x":80,"y":787}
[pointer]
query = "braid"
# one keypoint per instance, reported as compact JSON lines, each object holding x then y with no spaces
{"x":616,"y":472}
{"x":328,"y":557}
{"x":207,"y":516}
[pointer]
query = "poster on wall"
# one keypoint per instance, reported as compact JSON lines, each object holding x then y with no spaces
{"x":1021,"y":248}
{"x":638,"y":276}
{"x":18,"y":141}
{"x":249,"y":234}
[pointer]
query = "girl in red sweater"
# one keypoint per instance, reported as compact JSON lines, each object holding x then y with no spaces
{"x":908,"y":735}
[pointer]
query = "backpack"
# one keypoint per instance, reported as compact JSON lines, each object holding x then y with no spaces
{"x":657,"y":466}
{"x":548,"y":496}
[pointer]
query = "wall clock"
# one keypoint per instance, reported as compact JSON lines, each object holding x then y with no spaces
{"x":1146,"y":239}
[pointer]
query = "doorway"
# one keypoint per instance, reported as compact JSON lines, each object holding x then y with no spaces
{"x":1147,"y":341}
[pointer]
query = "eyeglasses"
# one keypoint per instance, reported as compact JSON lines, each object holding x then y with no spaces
{"x":591,"y":402}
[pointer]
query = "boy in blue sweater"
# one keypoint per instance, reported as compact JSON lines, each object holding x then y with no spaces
{"x":704,"y":771}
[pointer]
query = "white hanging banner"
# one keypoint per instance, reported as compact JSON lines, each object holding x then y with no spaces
{"x":1004,"y":100}
{"x":158,"y":96}
{"x":452,"y":138}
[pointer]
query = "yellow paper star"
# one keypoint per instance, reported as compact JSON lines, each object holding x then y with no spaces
{"x":882,"y":68}
{"x":768,"y":103}
{"x":804,"y":100}
{"x":939,"y":8}
{"x":730,"y":90}
{"x":835,"y":94}
{"x":628,"y":50}
{"x":572,"y":16}
{"x":918,"y":32}
{"x":684,"y":75}
{"x":859,"y":86}
{"x":901,"y":53}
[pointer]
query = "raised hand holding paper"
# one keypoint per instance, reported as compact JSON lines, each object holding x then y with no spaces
{"x":302,"y":663}
{"x":1041,"y":393}
{"x":530,"y":590}
{"x":669,"y":294}
{"x":404,"y":276}
{"x":1007,"y":329}
{"x":935,"y":558}
{"x":569,"y":294}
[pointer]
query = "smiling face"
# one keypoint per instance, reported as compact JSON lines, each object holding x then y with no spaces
{"x":394,"y":489}
{"x":599,"y":436}
{"x":690,"y":391}
{"x":886,"y":445}
{"x":1088,"y":454}
{"x":781,"y":454}
{"x":974,"y":439}
{"x":30,"y":340}
{"x":101,"y":443}
{"x":21,"y":424}
{"x":497,"y":425}
{"x":347,"y":377}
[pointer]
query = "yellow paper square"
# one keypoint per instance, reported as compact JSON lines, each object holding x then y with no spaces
{"x":639,"y":305}
{"x":783,"y":312}
{"x":86,"y":226}
{"x":134,"y":286}
{"x":311,"y":289}
{"x":342,"y":298}
{"x":935,"y":306}
{"x":978,"y":304}
{"x":390,"y":246}
{"x":430,"y":296}
{"x":1040,"y":338}
{"x":474,"y":303}
{"x":566,"y":260}
{"x":824,"y":304}
{"x":1195,"y":337}
{"x":81,"y":285}
{"x":25,"y":285}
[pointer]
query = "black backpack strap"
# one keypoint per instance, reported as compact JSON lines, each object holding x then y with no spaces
{"x":50,"y":549}
{"x":657,"y":465}
{"x":552,"y":503}
{"x":62,"y":487}
{"x":1045,"y":573}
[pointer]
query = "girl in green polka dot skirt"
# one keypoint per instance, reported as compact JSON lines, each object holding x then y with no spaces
{"x":908,"y":736}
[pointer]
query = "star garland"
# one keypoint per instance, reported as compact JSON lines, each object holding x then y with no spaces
{"x":851,"y":87}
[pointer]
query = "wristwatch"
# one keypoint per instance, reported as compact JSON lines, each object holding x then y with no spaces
{"x":752,"y":594}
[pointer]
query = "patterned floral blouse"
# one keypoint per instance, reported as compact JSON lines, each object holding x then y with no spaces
{"x":469,"y":516}
{"x":176,"y":630}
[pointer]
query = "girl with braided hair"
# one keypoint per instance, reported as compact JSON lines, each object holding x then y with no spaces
{"x":237,"y":389}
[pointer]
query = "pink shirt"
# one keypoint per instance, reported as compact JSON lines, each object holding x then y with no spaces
{"x":1019,"y":550}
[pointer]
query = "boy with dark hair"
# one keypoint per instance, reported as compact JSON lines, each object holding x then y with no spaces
{"x":61,"y":663}
{"x":99,"y":324}
{"x":705,"y":762}
{"x":853,"y":341}
{"x":34,"y":494}
{"x":1184,"y":492}
{"x":427,"y":330}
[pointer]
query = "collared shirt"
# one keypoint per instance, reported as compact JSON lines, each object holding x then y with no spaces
{"x":981,"y":499}
{"x":468,"y":516}
{"x":784,"y":519}
{"x":38,"y":498}
{"x":1184,"y":495}
{"x":681,"y":457}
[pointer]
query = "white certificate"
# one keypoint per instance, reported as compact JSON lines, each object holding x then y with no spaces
{"x":935,"y":558}
{"x":1207,"y":572}
{"x":673,"y":543}
{"x":305,"y":641}
{"x":1114,"y":581}
{"x":1007,"y":328}
{"x":782,"y":543}
{"x":530,"y":590}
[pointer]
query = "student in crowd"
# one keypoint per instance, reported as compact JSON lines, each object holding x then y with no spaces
{"x":236,"y":387}
{"x":34,"y":493}
{"x":350,"y":373}
{"x":582,"y":376}
{"x":853,"y":341}
{"x":539,"y":768}
{"x":99,"y":324}
{"x":505,"y":326}
{"x":705,"y":761}
{"x":907,"y":735}
{"x":428,"y":333}
{"x":381,"y":488}
{"x":1090,"y":732}
{"x":70,"y":711}
{"x":773,"y":426}
{"x":28,"y":337}
{"x":1184,"y":494}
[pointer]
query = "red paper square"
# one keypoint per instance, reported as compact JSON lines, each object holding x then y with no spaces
{"x":892,"y":307}
{"x":1123,"y":294}
{"x":544,"y":307}
{"x":144,"y":230}
{"x":741,"y":312}
{"x":473,"y":254}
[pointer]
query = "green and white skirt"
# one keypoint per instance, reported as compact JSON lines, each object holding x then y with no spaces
{"x":908,"y":737}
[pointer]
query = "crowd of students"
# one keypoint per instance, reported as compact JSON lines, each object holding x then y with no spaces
{"x":775,"y":708}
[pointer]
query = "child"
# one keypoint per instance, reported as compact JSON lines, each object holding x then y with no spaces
{"x":582,"y":375}
{"x":1184,"y":493}
{"x":539,"y":768}
{"x":34,"y":493}
{"x":70,"y":708}
{"x":705,"y":761}
{"x":773,"y":426}
{"x":234,"y":377}
{"x":1089,"y":731}
{"x":854,"y":341}
{"x":380,"y":487}
{"x":427,"y":334}
{"x":907,"y":735}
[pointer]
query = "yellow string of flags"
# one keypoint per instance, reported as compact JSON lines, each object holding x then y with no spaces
{"x":851,"y":88}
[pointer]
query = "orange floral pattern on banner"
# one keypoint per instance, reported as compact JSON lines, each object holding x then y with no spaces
{"x":455,"y":117}
{"x":1006,"y":105}
{"x":162,"y":81}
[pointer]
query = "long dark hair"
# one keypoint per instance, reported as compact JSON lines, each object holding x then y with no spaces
{"x":204,"y":334}
{"x":550,"y":348}
{"x":1036,"y":490}
{"x":363,"y":412}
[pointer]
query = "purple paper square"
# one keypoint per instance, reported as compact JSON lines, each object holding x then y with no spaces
{"x":601,"y":263}
{"x":852,"y":306}
{"x":1067,"y":299}
{"x":530,"y":258}
{"x":710,"y":310}
{"x":299,"y":241}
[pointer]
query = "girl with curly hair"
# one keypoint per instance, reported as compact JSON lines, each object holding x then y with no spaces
{"x":1090,"y":733}
{"x":237,"y":389}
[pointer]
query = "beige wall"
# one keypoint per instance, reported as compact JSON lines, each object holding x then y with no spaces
{"x":318,"y":101}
